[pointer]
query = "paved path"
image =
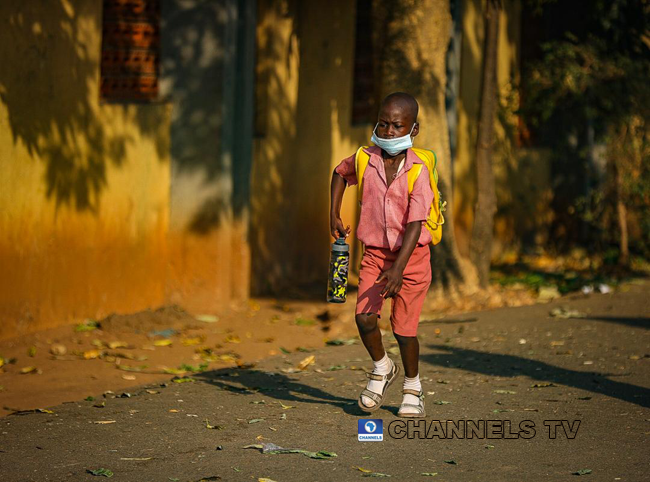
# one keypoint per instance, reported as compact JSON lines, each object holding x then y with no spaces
{"x":507,"y":366}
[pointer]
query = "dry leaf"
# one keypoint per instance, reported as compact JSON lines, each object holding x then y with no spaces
{"x":306,"y":362}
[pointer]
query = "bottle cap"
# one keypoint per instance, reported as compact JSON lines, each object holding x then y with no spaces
{"x":340,"y":246}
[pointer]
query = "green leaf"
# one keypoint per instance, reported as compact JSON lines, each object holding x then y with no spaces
{"x":441,"y":402}
{"x":87,"y":325}
{"x":582,"y":472}
{"x":305,"y":322}
{"x":183,"y":380}
{"x":488,"y":446}
{"x":89,"y":399}
{"x":101,"y":472}
{"x":451,"y":462}
{"x":284,"y":350}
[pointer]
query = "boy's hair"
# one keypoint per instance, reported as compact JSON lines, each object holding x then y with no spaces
{"x":404,"y":100}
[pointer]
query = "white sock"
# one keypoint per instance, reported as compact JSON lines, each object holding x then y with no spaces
{"x":411,"y":384}
{"x":382,"y":367}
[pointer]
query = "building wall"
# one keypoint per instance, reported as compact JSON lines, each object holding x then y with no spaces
{"x":84,"y":187}
{"x":207,"y":77}
{"x":303,"y":129}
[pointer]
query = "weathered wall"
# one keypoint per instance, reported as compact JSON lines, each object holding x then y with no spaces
{"x":207,"y":71}
{"x":303,"y":129}
{"x":83,"y":186}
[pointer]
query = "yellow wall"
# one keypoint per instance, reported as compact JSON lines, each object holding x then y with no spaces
{"x":504,"y":153}
{"x":84,"y":187}
{"x":304,"y":130}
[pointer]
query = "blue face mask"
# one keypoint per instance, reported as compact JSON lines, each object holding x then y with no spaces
{"x":395,"y":145}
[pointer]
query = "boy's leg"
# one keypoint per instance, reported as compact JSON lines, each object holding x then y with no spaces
{"x":405,"y":316}
{"x":371,"y":337}
{"x":369,"y":303}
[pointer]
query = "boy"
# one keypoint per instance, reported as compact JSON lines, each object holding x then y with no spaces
{"x":395,"y":262}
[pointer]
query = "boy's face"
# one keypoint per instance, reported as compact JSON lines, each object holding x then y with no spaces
{"x":395,"y":120}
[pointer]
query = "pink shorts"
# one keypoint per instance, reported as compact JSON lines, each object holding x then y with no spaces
{"x":407,"y":304}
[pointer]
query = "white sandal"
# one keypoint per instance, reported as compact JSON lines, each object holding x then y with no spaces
{"x":419,"y":407}
{"x":378,"y":398}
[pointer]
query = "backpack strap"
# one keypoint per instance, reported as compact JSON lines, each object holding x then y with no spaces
{"x":413,"y":175}
{"x":361,"y":160}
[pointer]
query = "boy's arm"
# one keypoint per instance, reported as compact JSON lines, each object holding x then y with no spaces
{"x":393,"y":275}
{"x":336,"y":196}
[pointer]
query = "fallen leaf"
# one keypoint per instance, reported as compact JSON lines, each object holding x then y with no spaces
{"x":101,"y":404}
{"x":193,"y":341}
{"x":26,"y":370}
{"x":91,"y":354}
{"x":255,"y":420}
{"x":136,"y":458}
{"x":271,"y":448}
{"x":440,"y":402}
{"x":565,"y":313}
{"x":306,"y":362}
{"x":105,"y":422}
{"x":488,"y":446}
{"x":100,"y":472}
{"x":505,"y":392}
{"x":232,"y":339}
{"x":451,"y":462}
{"x":542,"y":385}
{"x":87,"y":325}
{"x":183,"y":380}
{"x":129,"y":377}
{"x":213,"y":427}
{"x":207,"y":318}
{"x":163,"y":342}
{"x":286,"y":407}
{"x":265,"y":479}
{"x":340,"y":341}
{"x":304,"y":322}
{"x":31,"y":351}
{"x":582,"y":472}
{"x":429,"y":474}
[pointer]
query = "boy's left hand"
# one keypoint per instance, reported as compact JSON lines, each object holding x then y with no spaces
{"x":393,"y":277}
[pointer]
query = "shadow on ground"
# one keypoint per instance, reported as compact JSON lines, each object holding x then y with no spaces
{"x":275,"y":385}
{"x":499,"y":365}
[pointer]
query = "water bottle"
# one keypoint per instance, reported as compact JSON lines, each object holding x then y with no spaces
{"x":337,"y":283}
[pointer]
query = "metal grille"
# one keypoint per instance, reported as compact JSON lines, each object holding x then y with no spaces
{"x":130,"y":50}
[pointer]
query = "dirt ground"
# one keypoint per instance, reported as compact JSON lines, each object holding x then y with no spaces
{"x":587,"y":376}
{"x":125,"y":351}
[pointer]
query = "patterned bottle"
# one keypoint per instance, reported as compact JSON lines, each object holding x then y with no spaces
{"x":337,"y":283}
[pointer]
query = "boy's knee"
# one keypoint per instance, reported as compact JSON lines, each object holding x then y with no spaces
{"x":366,"y":322}
{"x":405,"y":340}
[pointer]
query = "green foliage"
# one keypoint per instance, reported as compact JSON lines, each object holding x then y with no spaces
{"x":597,"y":74}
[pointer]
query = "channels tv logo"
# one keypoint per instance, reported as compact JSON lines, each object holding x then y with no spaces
{"x":370,"y":430}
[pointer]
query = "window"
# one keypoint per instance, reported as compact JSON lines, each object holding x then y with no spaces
{"x":130,"y":50}
{"x":364,"y":104}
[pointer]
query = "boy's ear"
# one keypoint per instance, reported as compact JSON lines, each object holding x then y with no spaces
{"x":416,"y":129}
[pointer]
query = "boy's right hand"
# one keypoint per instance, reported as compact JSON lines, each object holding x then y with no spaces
{"x":337,"y":230}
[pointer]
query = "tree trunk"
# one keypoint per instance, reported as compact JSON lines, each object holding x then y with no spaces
{"x":411,"y":38}
{"x":486,"y":202}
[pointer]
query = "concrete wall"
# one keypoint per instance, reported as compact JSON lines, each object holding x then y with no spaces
{"x":207,"y":77}
{"x":84,"y":187}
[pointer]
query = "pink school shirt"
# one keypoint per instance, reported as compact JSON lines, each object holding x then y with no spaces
{"x":386,"y":210}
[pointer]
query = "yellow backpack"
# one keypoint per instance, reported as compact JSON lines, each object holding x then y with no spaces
{"x":435,"y":220}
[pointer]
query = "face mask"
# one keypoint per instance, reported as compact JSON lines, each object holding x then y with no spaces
{"x":395,"y":145}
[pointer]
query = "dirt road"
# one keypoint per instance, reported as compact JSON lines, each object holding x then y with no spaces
{"x":549,"y":397}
